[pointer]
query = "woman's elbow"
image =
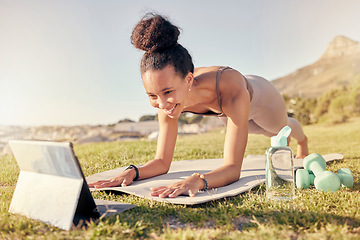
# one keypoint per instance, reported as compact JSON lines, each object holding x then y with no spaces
{"x":235,"y":174}
{"x":164,"y":168}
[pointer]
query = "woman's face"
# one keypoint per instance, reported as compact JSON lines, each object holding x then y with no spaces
{"x":167,"y":90}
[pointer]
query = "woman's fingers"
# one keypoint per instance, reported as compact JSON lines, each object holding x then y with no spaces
{"x":125,"y":182}
{"x":176,"y":193}
{"x":156,"y":191}
{"x":162,"y":192}
{"x":172,"y":192}
{"x":114,"y":182}
{"x":91,"y":185}
{"x":98,"y":183}
{"x":108,"y":183}
{"x":193,"y":192}
{"x":166,"y":193}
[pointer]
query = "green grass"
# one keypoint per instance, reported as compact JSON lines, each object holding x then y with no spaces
{"x":312,"y":215}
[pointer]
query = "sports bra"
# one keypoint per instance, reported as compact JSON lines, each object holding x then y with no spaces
{"x":212,"y":113}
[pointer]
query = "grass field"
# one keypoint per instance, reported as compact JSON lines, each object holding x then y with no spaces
{"x":312,"y":215}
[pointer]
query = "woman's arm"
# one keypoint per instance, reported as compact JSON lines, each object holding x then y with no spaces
{"x":168,"y":129}
{"x":235,"y":142}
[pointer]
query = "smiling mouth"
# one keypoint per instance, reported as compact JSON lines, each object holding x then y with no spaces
{"x":171,"y":110}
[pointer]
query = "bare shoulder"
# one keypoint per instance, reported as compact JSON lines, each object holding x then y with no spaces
{"x":233,"y":90}
{"x":205,"y":71}
{"x":231,"y":81}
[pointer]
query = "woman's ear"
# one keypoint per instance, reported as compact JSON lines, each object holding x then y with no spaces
{"x":189,"y":79}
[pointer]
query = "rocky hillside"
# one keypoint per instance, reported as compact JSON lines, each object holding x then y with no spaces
{"x":338,"y":66}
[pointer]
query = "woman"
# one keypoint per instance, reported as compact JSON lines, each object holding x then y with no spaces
{"x":245,"y":104}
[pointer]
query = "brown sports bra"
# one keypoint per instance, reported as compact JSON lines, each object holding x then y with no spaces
{"x":218,"y":74}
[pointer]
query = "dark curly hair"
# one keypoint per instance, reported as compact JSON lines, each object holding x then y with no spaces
{"x":158,"y":38}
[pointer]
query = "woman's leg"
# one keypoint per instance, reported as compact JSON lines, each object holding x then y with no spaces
{"x":268,"y":114}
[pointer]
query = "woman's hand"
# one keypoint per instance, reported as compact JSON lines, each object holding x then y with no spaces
{"x":123,"y":180}
{"x":190,"y":186}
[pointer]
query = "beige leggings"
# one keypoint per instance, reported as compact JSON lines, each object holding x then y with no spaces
{"x":268,"y":113}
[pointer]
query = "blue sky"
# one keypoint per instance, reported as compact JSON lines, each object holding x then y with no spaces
{"x":71,"y":62}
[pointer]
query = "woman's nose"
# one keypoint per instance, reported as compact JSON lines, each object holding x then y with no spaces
{"x":162,"y":103}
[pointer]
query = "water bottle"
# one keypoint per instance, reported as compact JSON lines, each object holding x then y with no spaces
{"x":279,"y":174}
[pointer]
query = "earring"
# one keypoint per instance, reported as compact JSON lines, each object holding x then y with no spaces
{"x":189,"y":89}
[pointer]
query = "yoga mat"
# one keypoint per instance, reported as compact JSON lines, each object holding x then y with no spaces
{"x":252,"y":175}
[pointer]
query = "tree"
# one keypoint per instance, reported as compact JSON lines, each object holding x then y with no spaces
{"x":125,"y":120}
{"x":148,"y":118}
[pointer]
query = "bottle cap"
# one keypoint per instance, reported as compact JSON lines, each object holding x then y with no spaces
{"x":280,"y":140}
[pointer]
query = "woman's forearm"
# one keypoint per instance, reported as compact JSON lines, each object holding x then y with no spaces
{"x":223,"y":176}
{"x":153,"y":168}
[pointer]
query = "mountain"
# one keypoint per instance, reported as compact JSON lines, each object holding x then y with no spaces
{"x":337,"y":66}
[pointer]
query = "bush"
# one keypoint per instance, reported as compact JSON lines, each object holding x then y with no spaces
{"x":355,"y":95}
{"x":340,"y":109}
{"x":301,"y":109}
{"x":147,"y":118}
{"x":189,"y":118}
{"x":334,"y":106}
{"x":125,"y":120}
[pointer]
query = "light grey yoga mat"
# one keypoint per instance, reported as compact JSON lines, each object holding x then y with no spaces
{"x":252,"y":175}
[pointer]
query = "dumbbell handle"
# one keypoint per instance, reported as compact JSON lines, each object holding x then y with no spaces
{"x":316,"y":168}
{"x":312,"y":178}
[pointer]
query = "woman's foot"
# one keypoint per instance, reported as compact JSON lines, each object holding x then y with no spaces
{"x":302,"y":149}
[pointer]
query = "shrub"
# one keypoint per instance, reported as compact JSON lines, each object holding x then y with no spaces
{"x":340,"y":109}
{"x":147,"y":118}
{"x":334,"y":106}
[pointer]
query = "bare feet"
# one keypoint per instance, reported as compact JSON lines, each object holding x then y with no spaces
{"x":302,"y":149}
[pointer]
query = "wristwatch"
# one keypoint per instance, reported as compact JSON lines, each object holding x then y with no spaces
{"x":136,"y":170}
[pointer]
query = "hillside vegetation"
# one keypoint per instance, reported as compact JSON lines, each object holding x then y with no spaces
{"x":334,"y":106}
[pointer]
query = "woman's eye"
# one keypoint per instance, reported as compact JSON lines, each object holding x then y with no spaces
{"x":167,"y":92}
{"x":152,"y":97}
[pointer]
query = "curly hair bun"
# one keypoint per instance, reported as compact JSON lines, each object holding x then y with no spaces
{"x":154,"y":33}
